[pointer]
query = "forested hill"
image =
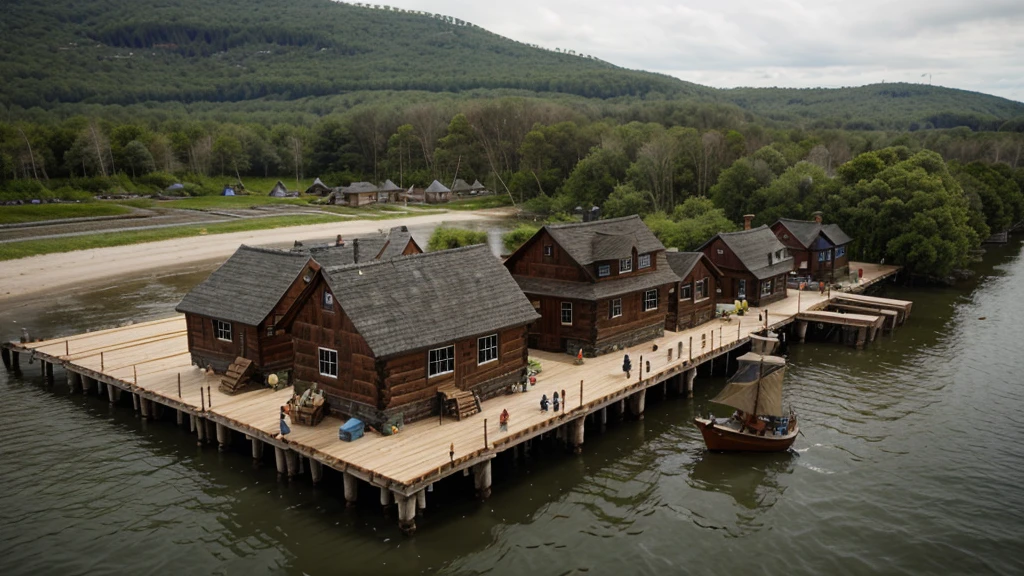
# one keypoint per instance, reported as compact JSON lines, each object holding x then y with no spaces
{"x":120,"y":52}
{"x":129,"y":51}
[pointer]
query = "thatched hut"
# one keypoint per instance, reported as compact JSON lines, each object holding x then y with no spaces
{"x":437,"y":193}
{"x":319,"y":188}
{"x":388,"y":192}
{"x":279,"y":190}
{"x":360,"y":193}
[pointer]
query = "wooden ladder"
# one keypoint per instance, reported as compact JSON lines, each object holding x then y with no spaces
{"x":459,"y":403}
{"x":237,"y":376}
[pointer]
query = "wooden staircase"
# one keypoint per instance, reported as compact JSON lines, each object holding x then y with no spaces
{"x":458,"y":403}
{"x":237,"y":376}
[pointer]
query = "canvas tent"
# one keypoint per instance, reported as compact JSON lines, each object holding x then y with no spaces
{"x":228,"y":191}
{"x":461,"y":187}
{"x":318,"y":188}
{"x":279,"y":190}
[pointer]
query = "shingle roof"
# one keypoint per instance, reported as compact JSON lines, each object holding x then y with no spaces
{"x":461,"y":186}
{"x":247,"y":286}
{"x":359,"y":188}
{"x":588,"y":242}
{"x":436,"y":186}
{"x":369,"y":248}
{"x":594,"y":291}
{"x":389,"y":186}
{"x":398,"y":239}
{"x":477,"y":186}
{"x":415,"y":302}
{"x":806,"y":231}
{"x":753,"y":247}
{"x":682,"y":263}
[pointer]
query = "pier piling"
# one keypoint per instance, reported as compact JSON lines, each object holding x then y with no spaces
{"x":257,"y":449}
{"x":636,"y":404}
{"x":406,"y":513}
{"x":144,"y":407}
{"x":281,"y":461}
{"x":316,"y":471}
{"x":482,"y":480}
{"x":223,"y":437}
{"x":351,"y":488}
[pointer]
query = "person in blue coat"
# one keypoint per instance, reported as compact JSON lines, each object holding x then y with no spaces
{"x":544,"y":403}
{"x":285,"y":430}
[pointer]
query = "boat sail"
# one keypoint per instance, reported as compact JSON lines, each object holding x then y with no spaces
{"x":755,"y":391}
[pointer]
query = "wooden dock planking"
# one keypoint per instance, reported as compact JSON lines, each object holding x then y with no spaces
{"x":155,"y":353}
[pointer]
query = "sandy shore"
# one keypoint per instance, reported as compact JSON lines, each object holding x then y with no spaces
{"x":61,"y":272}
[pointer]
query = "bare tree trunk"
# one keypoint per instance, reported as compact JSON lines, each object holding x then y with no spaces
{"x":96,"y":145}
{"x":31,"y":155}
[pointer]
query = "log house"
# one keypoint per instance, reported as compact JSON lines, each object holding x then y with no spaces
{"x":694,"y":298}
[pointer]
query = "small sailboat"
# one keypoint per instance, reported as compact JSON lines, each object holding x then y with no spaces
{"x":755,"y":391}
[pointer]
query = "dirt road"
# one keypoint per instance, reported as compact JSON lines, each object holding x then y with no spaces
{"x":70,"y":270}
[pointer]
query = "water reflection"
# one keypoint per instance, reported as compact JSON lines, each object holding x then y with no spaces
{"x":752,"y":480}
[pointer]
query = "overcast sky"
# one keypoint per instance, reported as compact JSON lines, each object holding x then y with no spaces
{"x":969,"y":44}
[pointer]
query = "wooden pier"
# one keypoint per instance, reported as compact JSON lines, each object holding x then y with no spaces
{"x":151,"y":362}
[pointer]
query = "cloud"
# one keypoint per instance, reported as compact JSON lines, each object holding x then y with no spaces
{"x":974,"y":45}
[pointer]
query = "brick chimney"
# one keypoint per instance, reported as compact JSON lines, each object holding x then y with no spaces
{"x":746,"y":221}
{"x":355,"y":250}
{"x":339,"y":241}
{"x":817,"y":217}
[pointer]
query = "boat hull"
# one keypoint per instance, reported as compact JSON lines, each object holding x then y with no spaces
{"x":722,"y":439}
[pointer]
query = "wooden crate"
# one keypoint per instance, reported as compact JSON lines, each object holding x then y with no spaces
{"x":308,"y":415}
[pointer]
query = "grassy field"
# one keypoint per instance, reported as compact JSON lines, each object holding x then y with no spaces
{"x":230,"y":202}
{"x":39,"y":212}
{"x":480,"y":202}
{"x":14,"y":250}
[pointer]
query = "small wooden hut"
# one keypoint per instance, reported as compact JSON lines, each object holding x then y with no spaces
{"x":437,"y":193}
{"x":383,"y":339}
{"x":477,"y":188}
{"x":693,"y":300}
{"x":461,"y":187}
{"x":360,"y":194}
{"x":388,"y":192}
{"x":236,"y":311}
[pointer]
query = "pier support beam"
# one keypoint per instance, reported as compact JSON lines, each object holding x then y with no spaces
{"x":257,"y":449}
{"x":200,"y":430}
{"x":421,"y":500}
{"x":292,"y":458}
{"x":179,"y":416}
{"x":602,"y":417}
{"x":316,"y":471}
{"x":48,"y":369}
{"x":144,"y":407}
{"x":862,"y":336}
{"x":576,"y":431}
{"x":135,"y":402}
{"x":406,"y":513}
{"x":223,"y":437}
{"x":111,"y":394}
{"x":351,"y":488}
{"x":801,"y":330}
{"x":281,"y":461}
{"x":74,"y":380}
{"x":690,"y":376}
{"x":636,"y":404}
{"x":15,"y":361}
{"x":385,"y":498}
{"x":5,"y":353}
{"x":482,"y":479}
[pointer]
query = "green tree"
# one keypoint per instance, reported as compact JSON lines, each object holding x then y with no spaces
{"x":137,"y":158}
{"x":690,"y":224}
{"x":626,"y":200}
{"x":445,"y":238}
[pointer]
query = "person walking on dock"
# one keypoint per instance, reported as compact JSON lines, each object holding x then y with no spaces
{"x":451,"y":453}
{"x":543,"y":402}
{"x":627,"y":366}
{"x":503,"y":420}
{"x":285,"y":430}
{"x":554,"y":401}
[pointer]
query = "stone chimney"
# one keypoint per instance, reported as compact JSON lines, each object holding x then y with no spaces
{"x":339,"y":241}
{"x":746,"y":221}
{"x":817,"y":217}
{"x":355,"y":250}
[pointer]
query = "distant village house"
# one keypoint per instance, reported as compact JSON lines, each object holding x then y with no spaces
{"x":819,"y":250}
{"x":754,"y":264}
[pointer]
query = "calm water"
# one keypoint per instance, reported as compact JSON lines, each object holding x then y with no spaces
{"x":910,"y":464}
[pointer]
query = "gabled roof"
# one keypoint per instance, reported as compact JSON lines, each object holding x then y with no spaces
{"x":247,"y":286}
{"x":753,"y":247}
{"x":807,"y":231}
{"x":589,"y":242}
{"x":369,"y":248}
{"x":359,"y":188}
{"x":416,"y":302}
{"x":436,"y":186}
{"x":398,"y":239}
{"x":477,"y":186}
{"x":461,"y":186}
{"x":317,"y":186}
{"x":279,"y":190}
{"x":389,"y":186}
{"x":594,"y":291}
{"x":682,"y":263}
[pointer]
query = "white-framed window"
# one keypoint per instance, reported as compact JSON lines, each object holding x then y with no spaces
{"x":567,"y":313}
{"x":487,"y":349}
{"x":643,"y":261}
{"x":742,"y":289}
{"x":441,"y":361}
{"x":651,"y":300}
{"x":701,"y":289}
{"x":721,"y":252}
{"x":328,"y":362}
{"x":549,"y":250}
{"x":686,"y":291}
{"x":328,"y":301}
{"x":222,"y":330}
{"x":615,"y":308}
{"x":626,"y":265}
{"x":604,"y":270}
{"x":840,"y":251}
{"x":766,"y":288}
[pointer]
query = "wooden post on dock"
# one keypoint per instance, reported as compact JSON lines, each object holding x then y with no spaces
{"x":581,"y":393}
{"x":67,"y":349}
{"x":640,"y":369}
{"x":202,"y":401}
{"x":691,"y":348}
{"x":102,"y":365}
{"x":135,"y":375}
{"x":485,"y":433}
{"x":738,"y":324}
{"x":179,"y":384}
{"x":209,"y":397}
{"x":679,"y":350}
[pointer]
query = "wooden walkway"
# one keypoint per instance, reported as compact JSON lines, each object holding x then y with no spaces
{"x":151,"y":361}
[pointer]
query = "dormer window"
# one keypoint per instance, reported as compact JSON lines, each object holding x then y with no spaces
{"x":625,"y":265}
{"x":644,"y":261}
{"x":604,"y":270}
{"x":328,"y":301}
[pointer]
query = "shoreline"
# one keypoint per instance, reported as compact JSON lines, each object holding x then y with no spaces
{"x":26,"y":278}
